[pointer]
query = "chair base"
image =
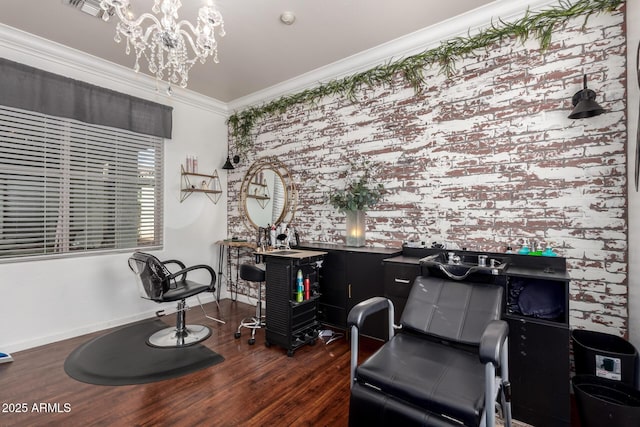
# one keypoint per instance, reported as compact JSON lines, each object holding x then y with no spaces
{"x":252,"y":323}
{"x":172,"y":337}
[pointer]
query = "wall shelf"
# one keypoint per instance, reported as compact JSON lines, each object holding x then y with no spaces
{"x":259,"y":191}
{"x":192,"y":182}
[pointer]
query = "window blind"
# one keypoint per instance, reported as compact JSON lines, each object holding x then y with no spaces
{"x":68,"y":187}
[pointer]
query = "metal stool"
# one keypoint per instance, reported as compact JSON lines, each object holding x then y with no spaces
{"x":252,"y":273}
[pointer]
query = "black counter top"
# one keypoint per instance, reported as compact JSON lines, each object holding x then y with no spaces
{"x":403,"y":259}
{"x":335,"y":247}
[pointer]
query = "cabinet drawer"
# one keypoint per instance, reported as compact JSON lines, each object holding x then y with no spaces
{"x":399,"y":279}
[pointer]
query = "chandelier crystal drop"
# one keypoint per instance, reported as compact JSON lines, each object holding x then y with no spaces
{"x":170,"y":47}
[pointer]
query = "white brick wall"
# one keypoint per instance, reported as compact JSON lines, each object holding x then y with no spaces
{"x":482,"y":159}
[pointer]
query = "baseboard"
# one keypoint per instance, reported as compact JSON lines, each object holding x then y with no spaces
{"x":72,"y":333}
{"x":95,"y":327}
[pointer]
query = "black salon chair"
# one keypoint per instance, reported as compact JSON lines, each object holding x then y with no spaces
{"x":159,"y":284}
{"x":252,"y":273}
{"x":446,"y":366}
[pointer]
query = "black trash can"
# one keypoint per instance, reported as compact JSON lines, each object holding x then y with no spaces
{"x":606,"y":403}
{"x":605,"y":356}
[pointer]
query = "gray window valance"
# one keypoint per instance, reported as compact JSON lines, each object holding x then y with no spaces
{"x":32,"y":89}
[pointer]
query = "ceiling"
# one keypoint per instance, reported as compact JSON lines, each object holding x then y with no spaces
{"x":258,"y":50}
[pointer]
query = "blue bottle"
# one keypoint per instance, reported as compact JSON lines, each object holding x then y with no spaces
{"x":299,"y":287}
{"x":524,"y":250}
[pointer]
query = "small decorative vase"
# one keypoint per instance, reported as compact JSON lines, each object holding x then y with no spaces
{"x":355,"y":228}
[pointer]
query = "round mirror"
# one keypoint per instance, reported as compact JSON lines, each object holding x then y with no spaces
{"x":268,"y":195}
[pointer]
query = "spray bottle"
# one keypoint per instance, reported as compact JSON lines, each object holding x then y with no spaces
{"x":307,"y":288}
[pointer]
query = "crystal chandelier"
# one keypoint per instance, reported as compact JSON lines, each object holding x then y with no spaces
{"x":169,"y":46}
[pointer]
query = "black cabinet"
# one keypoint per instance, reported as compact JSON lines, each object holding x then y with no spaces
{"x":399,"y":273}
{"x":538,"y":328}
{"x":347,"y":277}
{"x":289,"y":323}
{"x":539,"y":339}
{"x":333,"y":288}
{"x":539,"y":372}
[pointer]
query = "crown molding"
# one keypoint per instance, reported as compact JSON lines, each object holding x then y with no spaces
{"x":29,"y":49}
{"x":411,"y":44}
{"x":32,"y":50}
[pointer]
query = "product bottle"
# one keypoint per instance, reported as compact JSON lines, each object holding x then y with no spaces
{"x":299,"y":287}
{"x":307,"y":288}
{"x":272,"y":236}
{"x":524,"y":250}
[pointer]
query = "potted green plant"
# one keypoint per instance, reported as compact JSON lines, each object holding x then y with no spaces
{"x":360,"y":193}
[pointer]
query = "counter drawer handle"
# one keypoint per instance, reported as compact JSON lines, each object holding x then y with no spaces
{"x":405,"y":281}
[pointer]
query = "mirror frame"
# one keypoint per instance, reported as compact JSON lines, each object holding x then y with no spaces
{"x":290,"y":191}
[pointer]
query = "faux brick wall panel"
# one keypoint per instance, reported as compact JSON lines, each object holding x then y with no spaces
{"x":482,"y":159}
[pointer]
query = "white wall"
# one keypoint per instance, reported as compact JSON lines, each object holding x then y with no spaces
{"x":49,"y":300}
{"x":633,"y":102}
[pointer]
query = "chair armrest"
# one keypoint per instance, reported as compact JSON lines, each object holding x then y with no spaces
{"x":492,"y":341}
{"x":179,"y":263}
{"x":174,"y":261}
{"x":363,"y":309}
{"x":196,"y":267}
{"x":355,"y":320}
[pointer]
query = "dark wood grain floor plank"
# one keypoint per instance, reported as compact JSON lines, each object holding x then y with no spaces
{"x":254,"y":386}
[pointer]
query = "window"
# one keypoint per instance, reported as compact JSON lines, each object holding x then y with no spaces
{"x":67,"y":187}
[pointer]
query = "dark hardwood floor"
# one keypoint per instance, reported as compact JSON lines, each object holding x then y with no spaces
{"x":254,"y":386}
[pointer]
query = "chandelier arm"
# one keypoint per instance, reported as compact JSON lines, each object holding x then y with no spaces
{"x":148,"y":32}
{"x":123,"y":15}
{"x":137,"y":22}
{"x":184,"y":22}
{"x":194,"y":47}
{"x":119,"y":14}
{"x":188,"y":36}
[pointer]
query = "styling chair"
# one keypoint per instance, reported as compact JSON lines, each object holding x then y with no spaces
{"x":252,"y":273}
{"x":159,"y":284}
{"x":446,"y":366}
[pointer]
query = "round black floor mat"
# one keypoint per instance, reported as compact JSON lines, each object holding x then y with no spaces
{"x":122,"y":357}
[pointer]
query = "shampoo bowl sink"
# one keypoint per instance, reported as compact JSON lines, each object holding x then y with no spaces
{"x":464,"y":265}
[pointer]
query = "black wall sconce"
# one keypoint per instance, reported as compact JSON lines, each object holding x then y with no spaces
{"x":228,"y":165}
{"x":584,"y":103}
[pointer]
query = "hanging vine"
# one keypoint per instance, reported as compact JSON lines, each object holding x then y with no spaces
{"x":537,"y":25}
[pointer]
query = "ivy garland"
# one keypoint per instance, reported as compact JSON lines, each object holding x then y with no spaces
{"x":538,"y":25}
